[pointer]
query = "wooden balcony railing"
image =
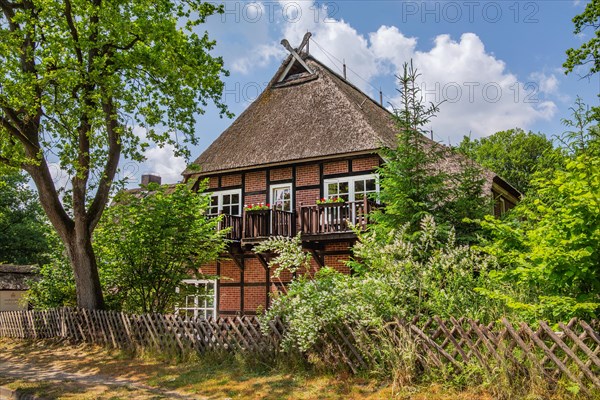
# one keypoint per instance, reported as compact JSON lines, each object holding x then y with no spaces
{"x":264,"y":223}
{"x":313,"y":219}
{"x":335,"y":217}
{"x":235,"y":223}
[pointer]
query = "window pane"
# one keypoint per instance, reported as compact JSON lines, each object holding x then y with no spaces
{"x":235,"y":199}
{"x":343,"y":187}
{"x":371,"y":187}
{"x":235,"y":210}
{"x":359,"y":186}
{"x":332,"y":189}
{"x":226,"y":210}
{"x":226,"y":199}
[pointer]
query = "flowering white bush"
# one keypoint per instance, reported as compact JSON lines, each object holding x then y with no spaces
{"x":395,"y":276}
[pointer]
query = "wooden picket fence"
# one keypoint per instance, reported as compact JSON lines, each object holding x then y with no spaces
{"x":570,"y":351}
{"x":165,"y":333}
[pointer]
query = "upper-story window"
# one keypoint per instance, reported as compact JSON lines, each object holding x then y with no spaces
{"x":351,"y":188}
{"x":226,"y":202}
{"x":281,"y":197}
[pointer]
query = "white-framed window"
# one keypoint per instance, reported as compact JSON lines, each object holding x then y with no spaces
{"x":197,"y":298}
{"x":226,"y":202}
{"x":281,"y":197}
{"x":351,"y":188}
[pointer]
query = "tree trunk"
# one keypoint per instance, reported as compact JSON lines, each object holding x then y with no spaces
{"x":83,"y":261}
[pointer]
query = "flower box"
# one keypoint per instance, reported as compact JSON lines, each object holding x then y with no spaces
{"x":336,"y":201}
{"x":332,"y":205}
{"x":257,"y":211}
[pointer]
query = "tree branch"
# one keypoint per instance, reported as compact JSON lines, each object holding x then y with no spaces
{"x":110,"y":169}
{"x":73,"y":31}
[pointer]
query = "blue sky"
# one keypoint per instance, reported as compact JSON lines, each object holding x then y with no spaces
{"x":497,"y":63}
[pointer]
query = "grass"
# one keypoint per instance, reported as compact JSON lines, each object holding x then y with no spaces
{"x":208,"y":377}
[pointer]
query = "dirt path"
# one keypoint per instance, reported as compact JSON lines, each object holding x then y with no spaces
{"x":57,"y":372}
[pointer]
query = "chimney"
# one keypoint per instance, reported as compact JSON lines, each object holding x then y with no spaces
{"x":149,"y":178}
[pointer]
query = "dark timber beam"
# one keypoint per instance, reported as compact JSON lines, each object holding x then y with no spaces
{"x":318,"y":256}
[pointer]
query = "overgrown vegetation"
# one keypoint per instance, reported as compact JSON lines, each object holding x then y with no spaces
{"x":548,"y":246}
{"x":24,"y":229}
{"x":144,"y":251}
{"x":436,"y":250}
{"x":514,"y":154}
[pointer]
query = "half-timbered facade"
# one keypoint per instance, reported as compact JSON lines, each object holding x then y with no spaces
{"x":310,"y":135}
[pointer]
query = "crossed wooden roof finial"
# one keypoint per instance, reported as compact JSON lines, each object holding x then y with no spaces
{"x":294,"y":52}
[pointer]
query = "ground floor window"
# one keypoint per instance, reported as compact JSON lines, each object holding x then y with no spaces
{"x":197,"y":298}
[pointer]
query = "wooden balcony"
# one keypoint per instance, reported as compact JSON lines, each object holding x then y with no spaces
{"x":319,"y":221}
{"x":265,"y":223}
{"x":234,"y":222}
{"x":334,"y":218}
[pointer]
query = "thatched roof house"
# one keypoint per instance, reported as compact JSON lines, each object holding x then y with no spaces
{"x":302,"y":158}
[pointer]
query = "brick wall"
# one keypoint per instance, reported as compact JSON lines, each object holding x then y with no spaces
{"x":307,"y":197}
{"x":281,"y":174}
{"x":213,"y":182}
{"x":209,"y":268}
{"x":229,"y":298}
{"x":255,"y":198}
{"x":256,"y":181}
{"x":255,"y":297}
{"x":365,"y":164}
{"x":231,"y":180}
{"x":335,"y":167}
{"x":307,"y":175}
{"x":230,"y":272}
{"x":254,"y":270}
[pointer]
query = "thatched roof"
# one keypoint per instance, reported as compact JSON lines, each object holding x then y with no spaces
{"x":308,"y":116}
{"x":314,"y":116}
{"x":15,"y":277}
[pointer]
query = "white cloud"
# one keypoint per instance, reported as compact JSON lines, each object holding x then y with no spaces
{"x":546,"y":83}
{"x":260,"y":57}
{"x":163,"y":162}
{"x":482,"y":95}
{"x":159,"y":161}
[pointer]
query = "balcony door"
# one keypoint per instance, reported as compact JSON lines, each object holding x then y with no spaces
{"x":281,"y":197}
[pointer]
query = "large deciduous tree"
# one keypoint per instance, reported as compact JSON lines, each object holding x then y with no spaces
{"x":75,"y":77}
{"x":513,"y":154}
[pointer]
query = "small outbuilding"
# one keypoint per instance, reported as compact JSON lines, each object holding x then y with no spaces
{"x":14,"y":283}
